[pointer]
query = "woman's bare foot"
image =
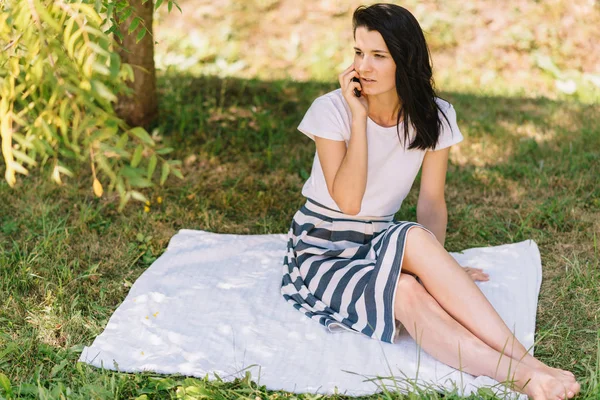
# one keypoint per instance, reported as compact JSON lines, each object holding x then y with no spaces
{"x":566,"y":377}
{"x":540,"y":384}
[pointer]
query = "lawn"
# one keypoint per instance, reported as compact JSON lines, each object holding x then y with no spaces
{"x":528,"y":168}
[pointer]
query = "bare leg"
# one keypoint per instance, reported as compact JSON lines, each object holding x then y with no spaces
{"x":440,"y":336}
{"x":456,"y":292}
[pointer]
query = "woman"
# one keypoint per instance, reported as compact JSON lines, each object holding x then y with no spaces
{"x":349,"y":264}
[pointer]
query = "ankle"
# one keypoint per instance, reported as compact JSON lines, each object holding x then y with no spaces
{"x":514,"y":372}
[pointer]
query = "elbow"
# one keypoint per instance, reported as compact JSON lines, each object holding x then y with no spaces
{"x":348,"y":207}
{"x":350,"y":210}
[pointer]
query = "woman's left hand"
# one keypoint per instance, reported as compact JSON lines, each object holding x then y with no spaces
{"x":477,"y":274}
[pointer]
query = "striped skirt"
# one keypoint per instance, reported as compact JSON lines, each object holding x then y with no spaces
{"x":342,"y":270}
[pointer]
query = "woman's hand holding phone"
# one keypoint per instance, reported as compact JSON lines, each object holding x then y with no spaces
{"x":352,"y":91}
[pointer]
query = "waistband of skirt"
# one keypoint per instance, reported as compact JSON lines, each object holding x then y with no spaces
{"x":329,"y":212}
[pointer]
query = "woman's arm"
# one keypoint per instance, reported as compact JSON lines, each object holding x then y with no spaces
{"x":431,"y":206}
{"x":345,"y":169}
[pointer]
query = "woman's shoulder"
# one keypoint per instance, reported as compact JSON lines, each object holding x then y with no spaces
{"x":334,"y":101}
{"x":327,"y":117}
{"x":444,"y":105}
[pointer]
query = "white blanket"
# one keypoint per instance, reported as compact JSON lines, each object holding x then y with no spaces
{"x":211,"y":304}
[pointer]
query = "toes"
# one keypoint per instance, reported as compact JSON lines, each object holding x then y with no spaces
{"x":574,"y":388}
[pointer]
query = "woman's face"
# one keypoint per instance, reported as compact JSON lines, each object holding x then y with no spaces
{"x":372,"y":60}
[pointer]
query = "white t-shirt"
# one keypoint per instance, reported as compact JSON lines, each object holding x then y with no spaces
{"x":391,"y":169}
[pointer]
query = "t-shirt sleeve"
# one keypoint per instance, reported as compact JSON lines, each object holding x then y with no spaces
{"x":450,"y":134}
{"x":323,"y":119}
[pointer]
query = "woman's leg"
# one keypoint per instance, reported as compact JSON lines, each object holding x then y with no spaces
{"x":440,"y":336}
{"x":456,"y":292}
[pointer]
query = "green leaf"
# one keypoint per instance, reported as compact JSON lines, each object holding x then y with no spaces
{"x":103,"y":134}
{"x":135,"y":177}
{"x":45,"y":15}
{"x":15,"y":69}
{"x":165,"y":384}
{"x":104,"y":92}
{"x":57,"y":368}
{"x":64,"y":171}
{"x":164,"y":150}
{"x":100,"y":68}
{"x":170,"y":6}
{"x":98,"y":49}
{"x":141,"y":134}
{"x":19,"y":155}
{"x":89,"y":11}
{"x":68,"y":29}
{"x":120,"y":186}
{"x":124,"y":200}
{"x":127,"y":71}
{"x":25,"y":142}
{"x":105,"y":166}
{"x":126,"y":13}
{"x":137,"y":156}
{"x":113,"y":152}
{"x":151,"y":166}
{"x":115,"y":65}
{"x":121,"y":5}
{"x":138,"y":196}
{"x":140,"y":35}
{"x":157,"y":4}
{"x":134,"y":24}
{"x":5,"y":384}
{"x":119,"y":35}
{"x":72,"y":41}
{"x":177,"y":173}
{"x":18,"y":167}
{"x":122,"y":141}
{"x":164,"y":173}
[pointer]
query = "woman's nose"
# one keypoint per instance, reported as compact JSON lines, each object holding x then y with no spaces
{"x":363,"y":67}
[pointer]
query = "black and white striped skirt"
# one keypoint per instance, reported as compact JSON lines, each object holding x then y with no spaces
{"x":342,"y":270}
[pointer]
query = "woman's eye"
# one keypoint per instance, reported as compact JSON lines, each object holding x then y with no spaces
{"x":358,"y":53}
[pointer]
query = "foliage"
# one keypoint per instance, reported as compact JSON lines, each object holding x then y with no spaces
{"x":61,"y":75}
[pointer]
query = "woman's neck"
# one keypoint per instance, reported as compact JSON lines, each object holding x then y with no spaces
{"x":384,"y":108}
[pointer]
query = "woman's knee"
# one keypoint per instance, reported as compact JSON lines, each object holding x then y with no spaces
{"x":419,"y":245}
{"x":408,"y":292}
{"x":412,"y":299}
{"x":418,"y":236}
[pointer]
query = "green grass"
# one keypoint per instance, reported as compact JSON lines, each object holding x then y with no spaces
{"x":68,"y":258}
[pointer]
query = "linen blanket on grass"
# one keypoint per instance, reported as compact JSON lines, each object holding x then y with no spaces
{"x":211,"y":305}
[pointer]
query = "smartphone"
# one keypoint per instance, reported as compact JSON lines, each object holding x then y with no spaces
{"x":356,"y":91}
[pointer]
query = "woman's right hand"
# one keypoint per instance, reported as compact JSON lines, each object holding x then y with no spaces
{"x":358,"y":105}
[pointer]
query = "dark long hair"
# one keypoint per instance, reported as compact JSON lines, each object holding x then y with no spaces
{"x":414,"y":80}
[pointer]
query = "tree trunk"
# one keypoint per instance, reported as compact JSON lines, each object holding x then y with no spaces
{"x":141,"y":109}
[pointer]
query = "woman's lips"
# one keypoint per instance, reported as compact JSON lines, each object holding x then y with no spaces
{"x":367,"y":81}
